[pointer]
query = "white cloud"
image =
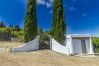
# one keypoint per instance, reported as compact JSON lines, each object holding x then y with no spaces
{"x":48,"y":3}
{"x":84,"y":14}
{"x":41,"y":2}
{"x":71,"y":8}
{"x":51,"y":11}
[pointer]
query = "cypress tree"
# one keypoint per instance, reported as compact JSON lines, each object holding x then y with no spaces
{"x":30,"y":26}
{"x":58,"y":27}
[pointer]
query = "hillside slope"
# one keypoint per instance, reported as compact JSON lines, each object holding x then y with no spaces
{"x":44,"y":58}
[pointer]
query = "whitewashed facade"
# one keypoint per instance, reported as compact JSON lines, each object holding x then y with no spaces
{"x":75,"y":44}
{"x":30,"y":46}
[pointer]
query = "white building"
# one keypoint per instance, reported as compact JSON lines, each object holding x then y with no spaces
{"x":75,"y":44}
{"x":79,"y":44}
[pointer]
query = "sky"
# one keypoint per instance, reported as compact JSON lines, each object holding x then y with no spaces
{"x":81,"y":16}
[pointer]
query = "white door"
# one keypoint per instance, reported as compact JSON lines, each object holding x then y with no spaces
{"x":77,"y":49}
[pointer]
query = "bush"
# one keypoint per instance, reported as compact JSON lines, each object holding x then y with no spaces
{"x":95,"y":42}
{"x":44,"y":41}
{"x":5,"y":34}
{"x":18,"y":35}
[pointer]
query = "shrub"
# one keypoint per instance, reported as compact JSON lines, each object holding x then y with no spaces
{"x":44,"y":41}
{"x":95,"y":42}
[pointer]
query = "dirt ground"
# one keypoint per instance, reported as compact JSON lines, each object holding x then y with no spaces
{"x":41,"y":58}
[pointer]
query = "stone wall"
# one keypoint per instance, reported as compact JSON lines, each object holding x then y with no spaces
{"x":5,"y":36}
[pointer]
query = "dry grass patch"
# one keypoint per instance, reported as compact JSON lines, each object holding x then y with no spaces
{"x":44,"y":58}
{"x":5,"y":46}
{"x":41,"y":58}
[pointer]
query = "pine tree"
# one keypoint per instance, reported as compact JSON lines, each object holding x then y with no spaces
{"x":58,"y":27}
{"x":30,"y":26}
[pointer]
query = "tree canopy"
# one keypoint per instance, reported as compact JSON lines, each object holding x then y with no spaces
{"x":30,"y":25}
{"x":58,"y":29}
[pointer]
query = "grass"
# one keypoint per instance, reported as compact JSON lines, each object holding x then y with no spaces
{"x":41,"y":58}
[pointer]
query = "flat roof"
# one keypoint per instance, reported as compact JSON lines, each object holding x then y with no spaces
{"x":79,"y":35}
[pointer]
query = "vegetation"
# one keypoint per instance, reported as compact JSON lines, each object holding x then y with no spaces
{"x":18,"y":35}
{"x":58,"y":27}
{"x":95,"y":41}
{"x":30,"y":26}
{"x":6,"y":33}
{"x":44,"y":39}
{"x":40,"y":31}
{"x":5,"y":29}
{"x":1,"y":24}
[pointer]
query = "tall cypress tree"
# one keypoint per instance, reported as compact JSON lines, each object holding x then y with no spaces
{"x":30,"y":26}
{"x":58,"y":27}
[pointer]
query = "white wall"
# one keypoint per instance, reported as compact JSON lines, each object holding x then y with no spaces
{"x":88,"y":45}
{"x":77,"y":47}
{"x":91,"y":46}
{"x":30,"y":46}
{"x":55,"y":46}
{"x":69,"y":45}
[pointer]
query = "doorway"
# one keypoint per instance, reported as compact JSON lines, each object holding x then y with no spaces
{"x":83,"y":44}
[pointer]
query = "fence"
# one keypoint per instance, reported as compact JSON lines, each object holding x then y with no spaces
{"x":30,"y":46}
{"x":55,"y":46}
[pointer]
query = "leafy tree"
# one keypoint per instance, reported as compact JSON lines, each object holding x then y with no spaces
{"x":30,"y":26}
{"x":40,"y":31}
{"x":1,"y":25}
{"x":44,"y":41}
{"x":17,"y":28}
{"x":11,"y":26}
{"x":95,"y":41}
{"x":58,"y":27}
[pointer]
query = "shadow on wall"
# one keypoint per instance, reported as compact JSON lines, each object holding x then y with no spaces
{"x":30,"y":46}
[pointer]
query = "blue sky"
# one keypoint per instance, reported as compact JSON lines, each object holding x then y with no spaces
{"x":81,"y":16}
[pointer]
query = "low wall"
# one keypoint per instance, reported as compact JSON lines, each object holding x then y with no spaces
{"x":30,"y":46}
{"x":55,"y":46}
{"x":5,"y":38}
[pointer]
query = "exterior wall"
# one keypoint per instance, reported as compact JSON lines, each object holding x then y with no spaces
{"x":88,"y":45}
{"x":79,"y":35}
{"x":30,"y":46}
{"x":69,"y":45}
{"x":73,"y":44}
{"x":77,"y":48}
{"x":58,"y":47}
{"x":91,"y":46}
{"x":5,"y":37}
